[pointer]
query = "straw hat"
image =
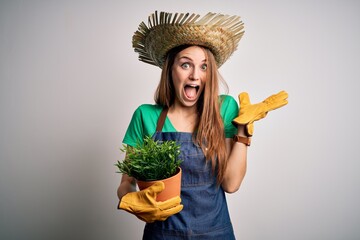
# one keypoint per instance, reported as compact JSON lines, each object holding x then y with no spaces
{"x":220,"y":33}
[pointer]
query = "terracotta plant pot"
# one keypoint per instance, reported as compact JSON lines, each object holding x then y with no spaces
{"x":172,"y":186}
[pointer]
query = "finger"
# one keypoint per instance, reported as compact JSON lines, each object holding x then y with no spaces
{"x":280,"y":103}
{"x":239,"y":121}
{"x":170,"y":203}
{"x":244,"y":99}
{"x":155,"y":189}
{"x":276,"y":101}
{"x":169,"y":212}
{"x":282,"y":95}
{"x":163,"y":214}
{"x":261,"y":115}
{"x":174,"y":210}
{"x":277,"y":104}
{"x":249,"y":129}
{"x":276,"y":97}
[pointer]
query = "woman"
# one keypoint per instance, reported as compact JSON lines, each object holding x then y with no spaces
{"x":202,"y":122}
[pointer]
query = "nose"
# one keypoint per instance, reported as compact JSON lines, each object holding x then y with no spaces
{"x":195,"y":74}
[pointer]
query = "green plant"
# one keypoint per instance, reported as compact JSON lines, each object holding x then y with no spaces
{"x":152,"y":160}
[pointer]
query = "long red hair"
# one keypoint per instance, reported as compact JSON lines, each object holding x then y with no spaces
{"x":210,"y":134}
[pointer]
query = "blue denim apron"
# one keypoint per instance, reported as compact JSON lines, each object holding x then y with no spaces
{"x":205,"y":214}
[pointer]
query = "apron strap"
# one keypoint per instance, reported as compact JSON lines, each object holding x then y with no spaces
{"x":161,"y":120}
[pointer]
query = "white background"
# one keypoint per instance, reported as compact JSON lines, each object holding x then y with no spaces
{"x":70,"y":81}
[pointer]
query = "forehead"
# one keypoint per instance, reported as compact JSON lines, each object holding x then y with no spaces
{"x":194,"y":53}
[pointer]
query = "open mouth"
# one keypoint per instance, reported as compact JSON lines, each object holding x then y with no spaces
{"x":191,"y":90}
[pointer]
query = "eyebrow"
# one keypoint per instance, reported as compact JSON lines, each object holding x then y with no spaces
{"x":185,"y":57}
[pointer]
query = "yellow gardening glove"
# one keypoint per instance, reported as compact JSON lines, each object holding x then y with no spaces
{"x":143,"y":204}
{"x":249,"y":113}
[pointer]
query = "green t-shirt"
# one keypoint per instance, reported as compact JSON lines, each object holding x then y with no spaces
{"x":145,"y":117}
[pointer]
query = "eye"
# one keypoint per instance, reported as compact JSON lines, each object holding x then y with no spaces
{"x":185,"y":65}
{"x":204,"y":67}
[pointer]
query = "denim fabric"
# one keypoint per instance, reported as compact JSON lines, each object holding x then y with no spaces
{"x":205,"y":214}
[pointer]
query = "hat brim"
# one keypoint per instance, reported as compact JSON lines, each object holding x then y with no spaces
{"x":217,"y":32}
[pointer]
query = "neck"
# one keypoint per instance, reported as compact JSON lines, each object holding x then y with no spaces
{"x":184,"y":119}
{"x":183,"y":111}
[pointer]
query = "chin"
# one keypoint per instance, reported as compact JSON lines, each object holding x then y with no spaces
{"x":189,"y":103}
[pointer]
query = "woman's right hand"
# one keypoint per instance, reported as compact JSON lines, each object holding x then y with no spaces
{"x":144,"y":206}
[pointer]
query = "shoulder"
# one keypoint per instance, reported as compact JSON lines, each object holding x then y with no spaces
{"x":227,"y":98}
{"x":228,"y":103}
{"x":143,"y":123}
{"x":229,"y":110}
{"x":148,"y":110}
{"x":147,"y":114}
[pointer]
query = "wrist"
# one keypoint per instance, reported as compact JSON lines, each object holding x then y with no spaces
{"x":242,"y":139}
{"x":242,"y":130}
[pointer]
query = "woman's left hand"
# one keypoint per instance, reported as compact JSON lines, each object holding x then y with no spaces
{"x":249,"y":113}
